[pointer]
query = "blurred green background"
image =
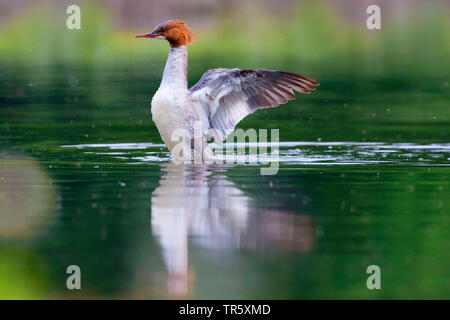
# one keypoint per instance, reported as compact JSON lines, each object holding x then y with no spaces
{"x":92,"y":207}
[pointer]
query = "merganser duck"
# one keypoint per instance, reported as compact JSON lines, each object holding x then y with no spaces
{"x":216,"y":104}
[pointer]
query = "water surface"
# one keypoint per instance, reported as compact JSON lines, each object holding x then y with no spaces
{"x":85,"y":179}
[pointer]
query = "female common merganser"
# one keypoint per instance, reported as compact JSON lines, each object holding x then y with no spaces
{"x":214,"y":105}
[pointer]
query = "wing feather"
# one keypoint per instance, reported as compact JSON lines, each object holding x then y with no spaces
{"x":223,"y":97}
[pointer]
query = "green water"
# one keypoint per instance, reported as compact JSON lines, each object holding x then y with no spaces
{"x":85,"y":180}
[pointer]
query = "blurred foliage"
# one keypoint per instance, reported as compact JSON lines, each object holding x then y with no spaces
{"x":314,"y":36}
{"x":23,"y":274}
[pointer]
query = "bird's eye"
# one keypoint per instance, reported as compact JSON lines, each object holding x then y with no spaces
{"x":162,"y":30}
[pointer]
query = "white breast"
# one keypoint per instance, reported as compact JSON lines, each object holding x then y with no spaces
{"x":168,"y":116}
{"x":172,"y":110}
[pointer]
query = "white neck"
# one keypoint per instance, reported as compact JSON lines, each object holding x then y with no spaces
{"x":175,"y":72}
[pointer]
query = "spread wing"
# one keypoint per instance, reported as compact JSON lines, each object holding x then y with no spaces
{"x":223,"y":97}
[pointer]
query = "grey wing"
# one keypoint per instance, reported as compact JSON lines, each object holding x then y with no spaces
{"x":223,"y":97}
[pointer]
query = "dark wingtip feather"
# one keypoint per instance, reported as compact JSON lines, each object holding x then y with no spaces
{"x":306,"y":79}
{"x":298,"y":82}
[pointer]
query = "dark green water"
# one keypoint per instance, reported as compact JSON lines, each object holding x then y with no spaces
{"x":85,"y":180}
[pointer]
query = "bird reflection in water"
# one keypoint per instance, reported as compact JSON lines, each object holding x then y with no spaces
{"x":198,"y":202}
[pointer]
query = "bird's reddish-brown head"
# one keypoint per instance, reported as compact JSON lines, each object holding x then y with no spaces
{"x":175,"y":31}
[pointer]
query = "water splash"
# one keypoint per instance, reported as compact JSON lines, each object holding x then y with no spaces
{"x":293,"y":153}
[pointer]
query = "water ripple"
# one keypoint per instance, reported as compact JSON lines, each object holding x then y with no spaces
{"x":294,"y":152}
